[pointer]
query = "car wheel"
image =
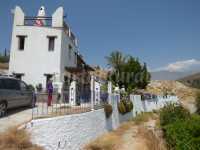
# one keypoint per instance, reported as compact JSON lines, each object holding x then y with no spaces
{"x":3,"y":109}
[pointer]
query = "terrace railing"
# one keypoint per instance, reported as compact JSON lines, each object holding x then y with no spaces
{"x":61,"y":104}
{"x":35,"y":21}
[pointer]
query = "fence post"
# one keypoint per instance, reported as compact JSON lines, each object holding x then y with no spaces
{"x":72,"y":93}
{"x":92,"y":92}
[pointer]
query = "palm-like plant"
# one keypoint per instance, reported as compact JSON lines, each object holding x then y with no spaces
{"x":116,"y":60}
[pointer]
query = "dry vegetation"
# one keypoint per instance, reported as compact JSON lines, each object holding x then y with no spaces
{"x":132,"y":135}
{"x":14,"y":139}
{"x":4,"y":65}
{"x":152,"y":141}
{"x":109,"y":141}
{"x":145,"y":117}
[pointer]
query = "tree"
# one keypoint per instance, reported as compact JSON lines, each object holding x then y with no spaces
{"x":145,"y":77}
{"x":127,"y":71}
{"x":115,"y":60}
{"x":4,"y":58}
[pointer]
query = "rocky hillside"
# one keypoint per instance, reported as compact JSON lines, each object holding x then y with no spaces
{"x":192,"y":80}
{"x":186,"y":94}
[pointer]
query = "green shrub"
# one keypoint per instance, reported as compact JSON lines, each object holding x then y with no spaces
{"x":129,"y":106}
{"x":198,"y":102}
{"x":173,"y":112}
{"x":108,"y":110}
{"x":121,"y":108}
{"x":183,"y":134}
{"x":125,"y":106}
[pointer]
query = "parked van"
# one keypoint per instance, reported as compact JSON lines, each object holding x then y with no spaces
{"x":14,"y":93}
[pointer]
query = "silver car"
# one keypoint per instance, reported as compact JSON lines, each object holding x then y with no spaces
{"x":14,"y":93}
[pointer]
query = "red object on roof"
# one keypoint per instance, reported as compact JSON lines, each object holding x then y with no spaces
{"x":39,"y":22}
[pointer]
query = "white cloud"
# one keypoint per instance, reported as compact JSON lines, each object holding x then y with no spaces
{"x":181,"y":66}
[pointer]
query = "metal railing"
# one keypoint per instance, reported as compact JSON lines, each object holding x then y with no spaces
{"x":62,"y":105}
{"x":35,"y":21}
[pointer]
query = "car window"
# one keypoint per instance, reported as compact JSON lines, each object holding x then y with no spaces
{"x":11,"y":84}
{"x":1,"y":84}
{"x":23,"y":86}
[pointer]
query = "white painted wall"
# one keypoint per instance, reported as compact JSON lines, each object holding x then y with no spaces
{"x":67,"y":58}
{"x":35,"y":60}
{"x":74,"y":131}
{"x":150,"y":105}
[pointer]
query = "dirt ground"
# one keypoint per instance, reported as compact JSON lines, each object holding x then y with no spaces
{"x":131,"y":136}
{"x":142,"y":137}
{"x":15,"y":117}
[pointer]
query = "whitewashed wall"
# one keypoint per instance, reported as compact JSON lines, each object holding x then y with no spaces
{"x":71,"y":132}
{"x":74,"y":131}
{"x":152,"y":104}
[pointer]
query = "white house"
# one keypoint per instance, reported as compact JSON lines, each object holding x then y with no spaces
{"x":42,"y":47}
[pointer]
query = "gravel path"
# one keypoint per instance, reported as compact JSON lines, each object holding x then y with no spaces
{"x":15,"y":118}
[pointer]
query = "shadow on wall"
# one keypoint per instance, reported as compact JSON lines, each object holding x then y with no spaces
{"x":109,"y":124}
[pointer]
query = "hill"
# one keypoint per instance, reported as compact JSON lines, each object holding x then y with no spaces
{"x":191,"y":80}
{"x":167,"y":75}
{"x":186,"y":94}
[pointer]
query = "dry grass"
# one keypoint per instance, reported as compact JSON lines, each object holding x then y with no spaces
{"x":15,"y":139}
{"x":4,"y":65}
{"x":109,"y":141}
{"x":152,"y":141}
{"x":144,"y":117}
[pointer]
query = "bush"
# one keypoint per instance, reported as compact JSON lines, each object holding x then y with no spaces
{"x":129,"y":106}
{"x":198,"y":102}
{"x":108,"y":110}
{"x":121,"y":108}
{"x":14,"y":139}
{"x":183,"y":134}
{"x":125,"y":106}
{"x":173,"y":112}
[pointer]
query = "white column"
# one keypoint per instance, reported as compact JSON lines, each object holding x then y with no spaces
{"x":72,"y":93}
{"x":92,"y":92}
{"x":109,"y":92}
{"x":97,"y":92}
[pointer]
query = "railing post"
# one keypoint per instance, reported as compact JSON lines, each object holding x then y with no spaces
{"x":72,"y":93}
{"x":92,"y":92}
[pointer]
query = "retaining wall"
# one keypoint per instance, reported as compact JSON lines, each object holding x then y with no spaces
{"x":71,"y":132}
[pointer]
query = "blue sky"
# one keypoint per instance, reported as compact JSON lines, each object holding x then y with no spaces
{"x":161,"y":33}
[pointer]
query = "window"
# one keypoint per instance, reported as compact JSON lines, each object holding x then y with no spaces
{"x":1,"y":84}
{"x":11,"y":84}
{"x":75,"y":58}
{"x":21,"y":42}
{"x":23,"y":86}
{"x":70,"y":51}
{"x":51,"y":42}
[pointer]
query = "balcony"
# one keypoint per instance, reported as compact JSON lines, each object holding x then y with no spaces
{"x":47,"y":22}
{"x":38,"y":21}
